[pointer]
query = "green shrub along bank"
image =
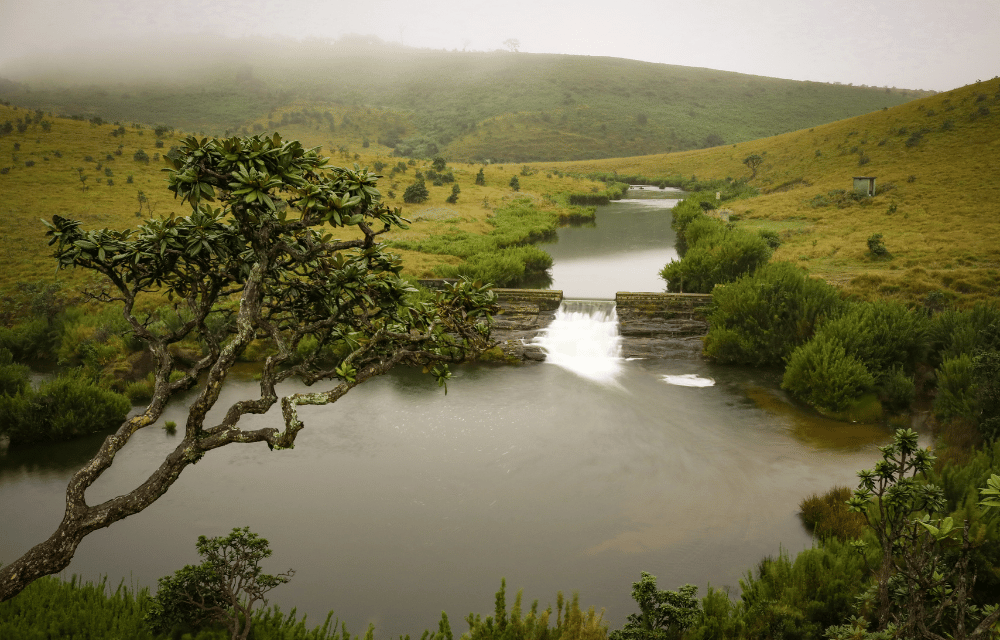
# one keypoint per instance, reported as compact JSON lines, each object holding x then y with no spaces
{"x":615,"y":191}
{"x":504,"y":256}
{"x":762,"y":317}
{"x":849,"y":359}
{"x":713,"y":251}
{"x":67,"y":406}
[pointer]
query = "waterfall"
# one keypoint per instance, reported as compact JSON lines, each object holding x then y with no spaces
{"x":584,"y":339}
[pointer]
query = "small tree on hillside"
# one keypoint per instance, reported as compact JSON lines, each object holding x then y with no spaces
{"x":453,"y":198}
{"x":515,"y":184}
{"x":481,"y":178}
{"x":416,"y":193}
{"x":753,"y":162}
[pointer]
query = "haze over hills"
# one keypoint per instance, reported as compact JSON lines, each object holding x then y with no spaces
{"x":499,"y":106}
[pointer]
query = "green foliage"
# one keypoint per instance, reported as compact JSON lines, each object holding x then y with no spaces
{"x":571,"y":622}
{"x":224,"y":588}
{"x":53,"y":608}
{"x":876,"y":246}
{"x":663,"y":614}
{"x":953,"y":332}
{"x":800,"y":598}
{"x":453,"y":198}
{"x":481,"y":178}
{"x":753,"y":162}
{"x":884,"y":335}
{"x":14,"y":378}
{"x":869,"y":346}
{"x":761,"y":318}
{"x":716,"y":255}
{"x":504,"y":256}
{"x":67,"y":406}
{"x":823,"y":374}
{"x":827,"y":515}
{"x":515,"y":184}
{"x":416,"y":193}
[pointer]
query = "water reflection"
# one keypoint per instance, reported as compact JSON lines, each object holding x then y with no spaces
{"x":815,"y":430}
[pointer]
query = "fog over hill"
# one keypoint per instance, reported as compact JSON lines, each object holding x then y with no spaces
{"x":499,"y":105}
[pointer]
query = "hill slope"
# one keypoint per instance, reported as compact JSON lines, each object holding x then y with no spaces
{"x":937,"y":164}
{"x":466,"y":106}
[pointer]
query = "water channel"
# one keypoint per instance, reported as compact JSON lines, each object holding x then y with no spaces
{"x":400,"y":501}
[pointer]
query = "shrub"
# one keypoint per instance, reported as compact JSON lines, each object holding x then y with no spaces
{"x":68,"y":406}
{"x":771,"y":237}
{"x":876,"y":246}
{"x":827,"y":515}
{"x":515,"y":184}
{"x":453,"y":198}
{"x":882,"y":335}
{"x":141,"y":156}
{"x":761,"y":318}
{"x":13,"y":377}
{"x":897,"y":390}
{"x":416,"y":193}
{"x":822,"y":373}
{"x":715,"y":255}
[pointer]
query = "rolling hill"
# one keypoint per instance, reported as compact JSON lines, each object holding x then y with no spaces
{"x":466,"y":106}
{"x":936,"y":162}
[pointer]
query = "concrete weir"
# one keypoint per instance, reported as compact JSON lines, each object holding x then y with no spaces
{"x":652,"y":324}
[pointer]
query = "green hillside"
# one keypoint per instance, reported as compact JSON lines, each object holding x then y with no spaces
{"x":500,"y":106}
{"x":936,"y":162}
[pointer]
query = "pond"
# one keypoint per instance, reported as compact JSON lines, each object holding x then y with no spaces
{"x":399,"y":501}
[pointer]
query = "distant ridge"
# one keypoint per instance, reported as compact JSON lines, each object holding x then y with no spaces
{"x":474,"y":106}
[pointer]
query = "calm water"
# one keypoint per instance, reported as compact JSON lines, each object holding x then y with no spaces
{"x":625,"y":251}
{"x":399,"y":502}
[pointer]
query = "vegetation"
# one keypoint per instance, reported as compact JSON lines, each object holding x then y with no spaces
{"x":67,"y":406}
{"x":933,"y":203}
{"x":223,"y":588}
{"x":259,"y":268}
{"x":461,"y":105}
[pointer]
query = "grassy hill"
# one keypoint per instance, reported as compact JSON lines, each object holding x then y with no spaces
{"x":935,"y":160}
{"x":499,"y":106}
{"x":96,"y":173}
{"x":937,"y":164}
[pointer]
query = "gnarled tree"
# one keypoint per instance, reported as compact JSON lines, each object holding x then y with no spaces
{"x":262,"y":266}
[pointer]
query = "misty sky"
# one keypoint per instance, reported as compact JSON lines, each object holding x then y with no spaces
{"x":916,"y":44}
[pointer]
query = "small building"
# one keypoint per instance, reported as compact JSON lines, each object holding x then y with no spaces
{"x":865,"y":185}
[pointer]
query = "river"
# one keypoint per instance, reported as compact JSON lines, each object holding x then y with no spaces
{"x":399,"y":501}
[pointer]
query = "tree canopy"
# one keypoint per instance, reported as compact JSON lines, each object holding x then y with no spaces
{"x":261,"y":265}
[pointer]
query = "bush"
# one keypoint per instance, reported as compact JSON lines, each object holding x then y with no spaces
{"x":876,"y":246}
{"x":141,"y":156}
{"x":716,"y":255}
{"x":68,"y":406}
{"x":822,"y":373}
{"x":882,"y":335}
{"x":761,"y":318}
{"x":416,"y":193}
{"x":827,"y":515}
{"x":13,"y":377}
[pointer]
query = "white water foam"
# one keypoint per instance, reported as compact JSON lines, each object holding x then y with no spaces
{"x":688,"y":380}
{"x":584,"y":339}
